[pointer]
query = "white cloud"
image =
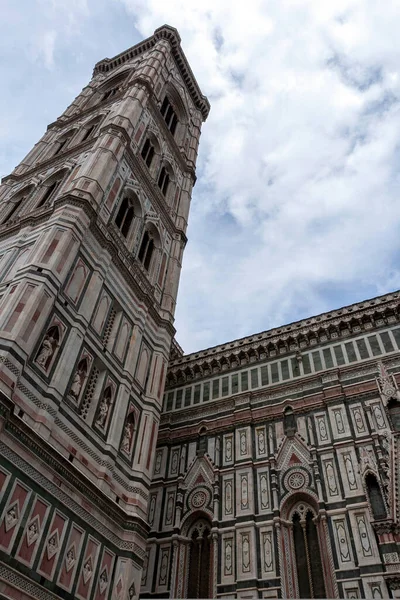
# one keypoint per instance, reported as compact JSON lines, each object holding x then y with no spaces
{"x":296,"y":207}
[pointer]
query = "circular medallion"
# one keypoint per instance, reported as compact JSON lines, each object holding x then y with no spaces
{"x":296,"y":480}
{"x":199,"y":499}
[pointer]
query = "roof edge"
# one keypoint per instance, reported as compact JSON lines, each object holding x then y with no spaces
{"x":171,"y":34}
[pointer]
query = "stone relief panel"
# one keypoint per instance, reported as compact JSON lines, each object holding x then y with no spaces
{"x":228,"y":497}
{"x":227,"y":458}
{"x":228,"y":546}
{"x":264,"y":500}
{"x":261,"y":442}
{"x":322,"y":429}
{"x":12,"y":515}
{"x":246,"y":555}
{"x":169,"y":508}
{"x":155,"y":508}
{"x":267,"y":552}
{"x":244,"y":492}
{"x":364,"y":539}
{"x":358,"y":419}
{"x":378,"y":415}
{"x":339,"y":423}
{"x":30,"y":540}
{"x":348,"y":465}
{"x":160,"y":462}
{"x":243,"y":443}
{"x":148,"y":568}
{"x":163,"y":569}
{"x":71,"y":557}
{"x":330,"y":478}
{"x":375,"y":587}
{"x":174,"y":462}
{"x":342,"y":542}
{"x":351,"y":589}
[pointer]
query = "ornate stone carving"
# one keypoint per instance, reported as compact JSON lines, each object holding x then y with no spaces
{"x":387,"y":384}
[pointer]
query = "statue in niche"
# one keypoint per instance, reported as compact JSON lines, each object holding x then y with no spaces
{"x":104,"y":407}
{"x":128,"y":434}
{"x":48,"y":347}
{"x":79,"y":378}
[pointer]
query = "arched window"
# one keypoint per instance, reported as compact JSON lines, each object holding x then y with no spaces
{"x":289,"y":422}
{"x":200,"y":568}
{"x":63,"y":141}
{"x":394,"y":413}
{"x":169,"y":115}
{"x":110,"y":93}
{"x":375,"y":497}
{"x":125,"y":215}
{"x":148,"y":152}
{"x":163,"y":180}
{"x":51,"y":187}
{"x":89,"y":130}
{"x":308,"y":556}
{"x":14,"y":205}
{"x":146,"y":250}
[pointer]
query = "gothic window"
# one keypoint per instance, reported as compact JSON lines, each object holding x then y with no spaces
{"x":146,"y":250}
{"x":163,"y":180}
{"x":200,"y":567}
{"x":124,"y":217}
{"x":110,"y":93}
{"x":169,"y":115}
{"x":308,"y":556}
{"x":148,"y":152}
{"x":375,"y":497}
{"x":394,"y":413}
{"x":51,"y":186}
{"x":14,"y":207}
{"x":289,"y":422}
{"x":62,"y":143}
{"x":15,"y":204}
{"x":89,"y":130}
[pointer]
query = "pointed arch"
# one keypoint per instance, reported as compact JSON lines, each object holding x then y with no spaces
{"x":50,"y":187}
{"x":127,"y":211}
{"x":13,"y":206}
{"x":375,"y":497}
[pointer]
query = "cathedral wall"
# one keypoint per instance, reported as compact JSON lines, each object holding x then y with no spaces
{"x":257,"y":447}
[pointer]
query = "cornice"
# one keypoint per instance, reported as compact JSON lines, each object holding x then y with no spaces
{"x":170,"y":34}
{"x":291,"y":338}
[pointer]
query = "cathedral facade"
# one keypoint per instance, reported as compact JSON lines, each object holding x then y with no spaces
{"x":277,"y":464}
{"x":266,"y":467}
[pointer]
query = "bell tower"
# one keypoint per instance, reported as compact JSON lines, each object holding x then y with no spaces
{"x":92,"y":231}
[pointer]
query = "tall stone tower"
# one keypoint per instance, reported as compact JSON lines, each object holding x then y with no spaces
{"x":92,"y":231}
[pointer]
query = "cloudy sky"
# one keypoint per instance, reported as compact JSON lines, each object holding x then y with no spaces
{"x":297,"y":206}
